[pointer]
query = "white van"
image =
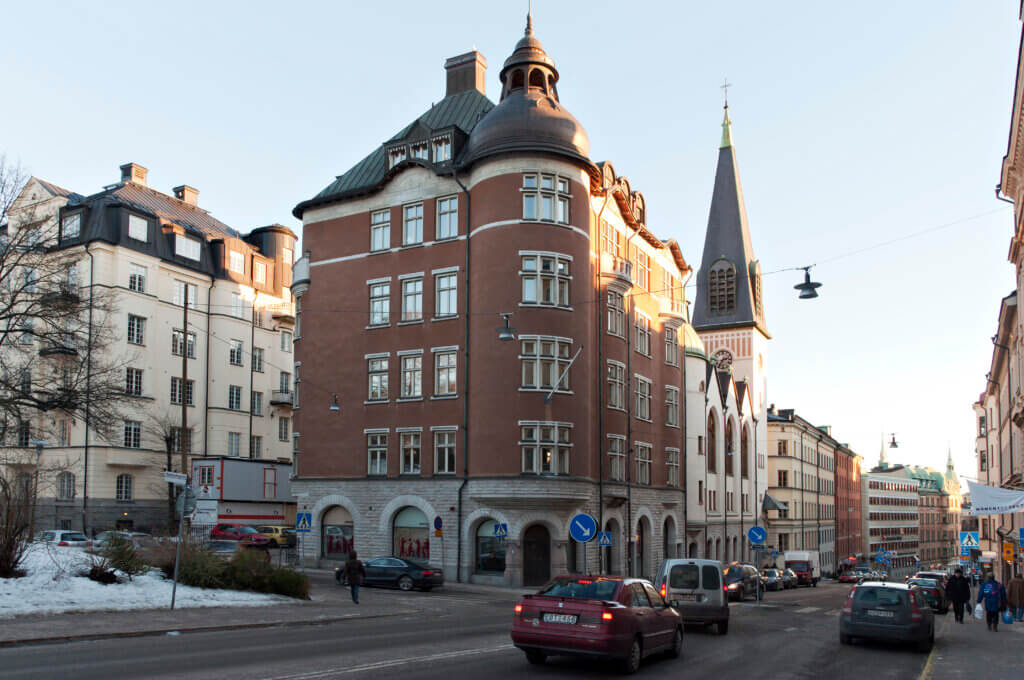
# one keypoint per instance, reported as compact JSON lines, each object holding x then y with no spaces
{"x":694,"y":588}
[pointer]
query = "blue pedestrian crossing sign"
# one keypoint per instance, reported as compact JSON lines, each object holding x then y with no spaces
{"x":501,"y":531}
{"x":757,"y":535}
{"x":604,"y":539}
{"x":583,"y":528}
{"x":969,"y":540}
{"x":1020,"y":537}
{"x":303,"y":522}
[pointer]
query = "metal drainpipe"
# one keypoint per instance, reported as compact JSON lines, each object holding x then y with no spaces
{"x":206,"y":375}
{"x":683,"y":477}
{"x":725,"y":479}
{"x":88,"y":390}
{"x":629,"y":416}
{"x":803,"y":506}
{"x":817,"y":493}
{"x":252,"y":345}
{"x":600,"y":392}
{"x":465,"y":394}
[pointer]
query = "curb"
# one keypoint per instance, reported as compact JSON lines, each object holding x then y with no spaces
{"x":197,"y":629}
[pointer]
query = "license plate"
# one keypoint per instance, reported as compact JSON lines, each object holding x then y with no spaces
{"x":559,"y":618}
{"x":881,"y":613}
{"x":687,"y":597}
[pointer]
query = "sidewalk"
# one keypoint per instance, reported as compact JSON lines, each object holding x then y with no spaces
{"x":971,"y":651}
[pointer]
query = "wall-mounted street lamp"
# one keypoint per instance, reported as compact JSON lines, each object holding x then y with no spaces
{"x":506,"y":334}
{"x":335,"y":406}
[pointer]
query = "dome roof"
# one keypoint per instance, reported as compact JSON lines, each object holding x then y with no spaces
{"x":692,"y":343}
{"x":529,"y":116}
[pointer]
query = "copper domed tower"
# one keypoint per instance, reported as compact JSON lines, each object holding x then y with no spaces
{"x":529,"y":116}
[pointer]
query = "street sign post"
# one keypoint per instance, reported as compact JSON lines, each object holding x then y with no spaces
{"x":303,"y":522}
{"x":583,"y":528}
{"x":757,"y":535}
{"x":438,"y":523}
{"x":186,"y":503}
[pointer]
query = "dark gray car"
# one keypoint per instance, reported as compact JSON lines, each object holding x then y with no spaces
{"x":887,"y":611}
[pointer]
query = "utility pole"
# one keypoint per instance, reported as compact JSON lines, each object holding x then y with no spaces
{"x":183,"y":438}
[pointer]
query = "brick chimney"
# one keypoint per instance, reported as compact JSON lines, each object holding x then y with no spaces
{"x":466,"y":72}
{"x":187,"y":194}
{"x":133,"y":172}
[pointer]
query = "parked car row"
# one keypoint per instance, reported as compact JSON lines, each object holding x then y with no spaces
{"x":396,"y":573}
{"x":268,"y":536}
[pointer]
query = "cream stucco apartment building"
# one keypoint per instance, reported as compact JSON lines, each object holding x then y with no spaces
{"x":154,"y":251}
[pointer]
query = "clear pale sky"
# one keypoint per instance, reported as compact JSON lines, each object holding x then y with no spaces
{"x":854,"y":123}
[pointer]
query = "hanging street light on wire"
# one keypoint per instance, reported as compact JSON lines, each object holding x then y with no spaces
{"x":808,"y":289}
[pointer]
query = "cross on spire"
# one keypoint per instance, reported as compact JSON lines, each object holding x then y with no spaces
{"x":529,"y":17}
{"x":725,"y":88}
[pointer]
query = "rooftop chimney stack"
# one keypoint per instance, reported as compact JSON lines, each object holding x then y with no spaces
{"x":466,"y":72}
{"x":187,"y":194}
{"x":133,"y":172}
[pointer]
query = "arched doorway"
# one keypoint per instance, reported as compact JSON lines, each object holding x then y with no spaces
{"x":411,"y":534}
{"x":718,"y":549}
{"x":337,"y":534}
{"x":642,"y":559}
{"x":536,"y":555}
{"x":490,"y":550}
{"x":707,"y":549}
{"x":668,"y":536}
{"x":612,"y":561}
{"x":691,"y":551}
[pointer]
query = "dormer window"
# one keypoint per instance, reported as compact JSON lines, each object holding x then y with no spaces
{"x":138,"y":228}
{"x":71,"y":226}
{"x":442,"y":149}
{"x":186,"y":247}
{"x":421,"y":151}
{"x":396,"y":156}
{"x":236,"y":262}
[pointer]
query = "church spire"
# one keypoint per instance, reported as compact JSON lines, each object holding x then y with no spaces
{"x":883,"y":463}
{"x":726,"y":130}
{"x":949,"y":462}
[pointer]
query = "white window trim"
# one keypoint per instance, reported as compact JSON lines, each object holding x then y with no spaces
{"x":444,"y":428}
{"x":408,"y":429}
{"x":383,"y":279}
{"x":378,"y":355}
{"x":445,"y":270}
{"x":403,"y":277}
{"x":370,"y":430}
{"x":406,"y":352}
{"x":446,"y":348}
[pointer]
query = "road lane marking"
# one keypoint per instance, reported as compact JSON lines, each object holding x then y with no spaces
{"x":378,"y":665}
{"x":807,"y":610}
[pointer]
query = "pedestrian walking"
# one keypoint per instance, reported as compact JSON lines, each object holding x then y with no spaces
{"x":1015,"y":596}
{"x":958,"y":591}
{"x":354,"y":572}
{"x":994,"y":595}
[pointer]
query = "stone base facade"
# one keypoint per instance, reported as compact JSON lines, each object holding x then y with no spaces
{"x":149,"y":516}
{"x":397,"y":517}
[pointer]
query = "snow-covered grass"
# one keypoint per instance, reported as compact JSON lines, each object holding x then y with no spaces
{"x":52,"y":586}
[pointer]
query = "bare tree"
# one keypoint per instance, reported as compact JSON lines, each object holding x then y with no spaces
{"x":167,"y":428}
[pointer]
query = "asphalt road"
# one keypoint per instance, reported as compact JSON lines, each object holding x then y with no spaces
{"x":465,"y":635}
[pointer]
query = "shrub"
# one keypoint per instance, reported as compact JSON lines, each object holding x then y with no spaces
{"x":249,"y":570}
{"x":99,"y":570}
{"x":288,"y":582}
{"x":122,"y":555}
{"x":201,"y":568}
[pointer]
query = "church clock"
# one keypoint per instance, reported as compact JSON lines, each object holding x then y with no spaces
{"x":723,"y":359}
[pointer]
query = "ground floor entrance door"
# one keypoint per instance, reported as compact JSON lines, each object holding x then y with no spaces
{"x":536,"y":556}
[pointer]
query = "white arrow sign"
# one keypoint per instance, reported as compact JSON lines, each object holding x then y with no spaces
{"x":583,"y":530}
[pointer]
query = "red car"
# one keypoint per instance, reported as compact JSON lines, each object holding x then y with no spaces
{"x":596,"y":616}
{"x":849,"y":577}
{"x":239,"y":532}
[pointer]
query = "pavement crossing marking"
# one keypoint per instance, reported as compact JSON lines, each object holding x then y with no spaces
{"x":807,"y":610}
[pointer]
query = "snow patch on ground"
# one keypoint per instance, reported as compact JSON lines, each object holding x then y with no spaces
{"x":52,"y":587}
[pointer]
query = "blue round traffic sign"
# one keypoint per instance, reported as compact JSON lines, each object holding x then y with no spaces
{"x":583,"y":528}
{"x":437,"y":522}
{"x":757,"y":535}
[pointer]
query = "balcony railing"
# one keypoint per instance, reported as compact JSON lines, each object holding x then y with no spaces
{"x":619,"y":267}
{"x":281,"y":398}
{"x":283,"y":312}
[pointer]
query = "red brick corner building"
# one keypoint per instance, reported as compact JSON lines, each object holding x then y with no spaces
{"x":472,"y":212}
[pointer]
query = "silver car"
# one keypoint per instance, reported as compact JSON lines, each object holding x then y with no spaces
{"x":887,"y":611}
{"x":694,"y":588}
{"x":64,"y":538}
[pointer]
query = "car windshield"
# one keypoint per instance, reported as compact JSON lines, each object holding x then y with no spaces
{"x":733,"y":574}
{"x":247,"y":530}
{"x":684,"y":576}
{"x":582,"y":588}
{"x":771,"y":573}
{"x":799,"y":566}
{"x":74,"y":537}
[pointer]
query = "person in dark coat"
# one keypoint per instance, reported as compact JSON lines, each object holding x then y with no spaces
{"x":958,"y":591}
{"x":994,"y":595}
{"x":354,"y":572}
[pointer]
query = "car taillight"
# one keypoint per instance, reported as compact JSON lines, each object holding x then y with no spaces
{"x":915,"y":611}
{"x":848,"y":607}
{"x":519,"y":609}
{"x":664,"y":590}
{"x":428,"y":573}
{"x":606,"y":616}
{"x":63,"y":543}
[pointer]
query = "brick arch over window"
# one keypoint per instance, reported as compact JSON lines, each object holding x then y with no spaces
{"x":722,"y":288}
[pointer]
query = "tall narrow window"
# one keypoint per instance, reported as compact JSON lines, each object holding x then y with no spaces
{"x":237,"y":306}
{"x":65,"y":486}
{"x":176,"y":391}
{"x":257,"y":359}
{"x":257,"y":403}
{"x":616,"y":314}
{"x":412,"y":299}
{"x":671,"y":347}
{"x":672,"y":406}
{"x":235,"y":351}
{"x":643,"y":398}
{"x":132,"y":434}
{"x":236,"y":262}
{"x":259,"y":272}
{"x":283,"y":426}
{"x":412,"y":377}
{"x":234,"y":444}
{"x":442,"y":149}
{"x":672,"y":463}
{"x":380,"y":304}
{"x":183,"y":290}
{"x":71,"y":226}
{"x":410,"y":453}
{"x":133,"y":382}
{"x":380,"y":230}
{"x":643,"y":463}
{"x":446,"y":295}
{"x":444,"y":452}
{"x":545,"y":279}
{"x":136,"y":278}
{"x":178,"y":344}
{"x":377,"y":454}
{"x":377,"y":370}
{"x":136,"y":330}
{"x":138,"y":229}
{"x":643,"y":333}
{"x":616,"y":385}
{"x":444,"y":373}
{"x":721,"y":288}
{"x":285,"y":382}
{"x":286,"y":341}
{"x":545,"y":197}
{"x":123,"y":488}
{"x":616,"y":458}
{"x":235,"y":397}
{"x":412,"y":230}
{"x":255,"y":446}
{"x":447,"y":218}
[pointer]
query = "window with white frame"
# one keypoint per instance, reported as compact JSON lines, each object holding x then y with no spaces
{"x":545,"y":447}
{"x":396,"y":156}
{"x":672,"y":406}
{"x":186,"y":247}
{"x":616,"y":458}
{"x":545,"y":197}
{"x":643,"y":463}
{"x":377,"y":377}
{"x":444,"y":452}
{"x":237,"y":306}
{"x":236,"y":262}
{"x":412,"y":376}
{"x":442,"y":149}
{"x":132,"y":434}
{"x":255,"y":446}
{"x":377,"y":453}
{"x":235,"y":352}
{"x":136,"y":330}
{"x":136,"y":278}
{"x":447,"y":217}
{"x":189,"y":391}
{"x":286,"y":341}
{"x":133,"y":382}
{"x":380,"y":304}
{"x":259,"y":272}
{"x":672,"y":463}
{"x":643,"y":398}
{"x":285,"y":382}
{"x":257,"y":359}
{"x":543,"y":359}
{"x":178,"y":343}
{"x":65,"y":486}
{"x":380,"y":230}
{"x":642,"y":268}
{"x":283,"y":425}
{"x":183,"y":290}
{"x":235,"y":397}
{"x":421,"y":151}
{"x":138,"y":229}
{"x":616,"y":385}
{"x":671,"y":346}
{"x":71,"y":226}
{"x":257,"y":403}
{"x":545,"y":278}
{"x":412,"y":299}
{"x":446,"y":295}
{"x":444,"y":373}
{"x":124,"y":488}
{"x":412,"y":224}
{"x":410,"y":445}
{"x":616,"y":314}
{"x":643,"y":333}
{"x":234,"y":444}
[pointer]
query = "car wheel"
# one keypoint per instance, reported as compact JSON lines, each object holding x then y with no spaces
{"x":405,"y":583}
{"x":631,"y":664}
{"x":677,"y":644}
{"x":535,"y":656}
{"x":723,"y":627}
{"x":844,"y":639}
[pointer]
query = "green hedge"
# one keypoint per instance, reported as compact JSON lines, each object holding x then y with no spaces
{"x":246,"y":570}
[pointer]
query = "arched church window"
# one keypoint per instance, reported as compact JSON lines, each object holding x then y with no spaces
{"x":537,"y":79}
{"x":722,"y":288}
{"x":518,"y":79}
